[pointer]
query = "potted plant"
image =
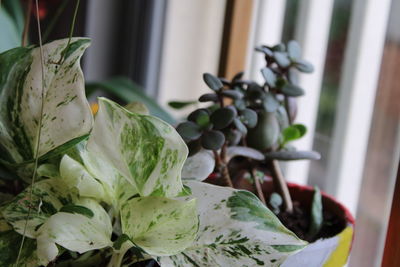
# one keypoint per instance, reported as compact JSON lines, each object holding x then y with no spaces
{"x":239,"y":139}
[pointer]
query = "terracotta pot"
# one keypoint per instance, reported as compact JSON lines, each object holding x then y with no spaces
{"x":327,"y":252}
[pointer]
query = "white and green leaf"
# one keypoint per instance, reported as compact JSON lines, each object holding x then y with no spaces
{"x":76,"y":176}
{"x":199,"y":166}
{"x":236,"y":229}
{"x":9,"y":244}
{"x":146,"y":151}
{"x":75,"y":231}
{"x":48,"y":197}
{"x":158,"y":225}
{"x":66,"y":117}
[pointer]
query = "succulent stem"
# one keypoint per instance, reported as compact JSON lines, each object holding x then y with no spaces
{"x":281,"y":186}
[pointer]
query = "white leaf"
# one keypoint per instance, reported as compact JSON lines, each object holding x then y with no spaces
{"x":236,"y":229}
{"x":75,"y":232}
{"x":66,"y":116}
{"x":199,"y":166}
{"x":159,"y":225}
{"x":146,"y":151}
{"x":75,"y":175}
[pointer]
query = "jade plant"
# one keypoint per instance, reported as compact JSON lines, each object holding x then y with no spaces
{"x":254,"y":121}
{"x":84,"y":190}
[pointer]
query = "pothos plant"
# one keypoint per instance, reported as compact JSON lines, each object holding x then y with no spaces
{"x":108,"y":190}
{"x":254,"y":121}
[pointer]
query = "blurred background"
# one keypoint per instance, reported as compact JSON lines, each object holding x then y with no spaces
{"x":351,"y":105}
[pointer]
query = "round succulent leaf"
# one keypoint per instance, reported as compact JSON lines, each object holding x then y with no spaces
{"x":199,"y":166}
{"x":225,"y":81}
{"x":254,"y":92}
{"x":212,"y":140}
{"x":264,"y":49}
{"x":189,"y":130}
{"x":222,"y":117}
{"x":249,"y":117}
{"x":270,"y":103}
{"x":285,"y":155}
{"x":240,"y":126}
{"x":232,"y":94}
{"x":294,"y":50}
{"x":304,"y":66}
{"x":248,"y":152}
{"x":293,"y":75}
{"x":238,"y":76}
{"x":292,"y":90}
{"x":240,"y":104}
{"x":301,"y":128}
{"x":269,"y":76}
{"x":212,"y":81}
{"x":208,"y":98}
{"x":279,"y":47}
{"x":233,"y":137}
{"x":282,"y":117}
{"x":266,"y":133}
{"x":196,"y":113}
{"x":194,"y":147}
{"x":282,"y":59}
{"x":180,"y":104}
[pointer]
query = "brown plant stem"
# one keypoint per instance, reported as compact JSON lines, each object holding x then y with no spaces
{"x":257,"y":186}
{"x":281,"y":186}
{"x":223,"y":167}
{"x":27,"y":23}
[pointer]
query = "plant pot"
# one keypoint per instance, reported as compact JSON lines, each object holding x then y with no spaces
{"x":328,"y":252}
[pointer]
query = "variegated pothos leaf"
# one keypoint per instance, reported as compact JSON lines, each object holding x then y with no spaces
{"x":48,"y":197}
{"x":66,"y":113}
{"x":236,"y":229}
{"x":159,"y":225}
{"x":146,"y":151}
{"x":75,"y":232}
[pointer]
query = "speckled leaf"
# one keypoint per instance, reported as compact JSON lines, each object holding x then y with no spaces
{"x":48,"y":197}
{"x":236,"y":229}
{"x":75,"y":232}
{"x":66,"y":113}
{"x":159,"y":225}
{"x":9,"y":244}
{"x":146,"y":151}
{"x":76,"y":176}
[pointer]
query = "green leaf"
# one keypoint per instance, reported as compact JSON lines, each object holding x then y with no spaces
{"x":208,"y":97}
{"x":75,"y":232}
{"x":249,"y":117}
{"x":232,"y":94}
{"x":317,"y":217}
{"x":282,"y":59}
{"x":42,"y":205}
{"x":127,"y":91}
{"x":240,"y":126}
{"x":236,"y":229}
{"x":293,"y":132}
{"x":66,"y":112}
{"x":76,"y":176}
{"x":146,"y":151}
{"x":10,"y":241}
{"x":137,"y":107}
{"x":212,"y":82}
{"x":222,"y":117}
{"x":159,"y":225}
{"x":194,"y":115}
{"x":189,"y":130}
{"x":292,"y":155}
{"x":266,"y":133}
{"x":180,"y":104}
{"x":269,"y":76}
{"x":292,"y":90}
{"x":304,"y":66}
{"x":212,"y":140}
{"x":275,"y":201}
{"x":270,"y":103}
{"x":294,"y":50}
